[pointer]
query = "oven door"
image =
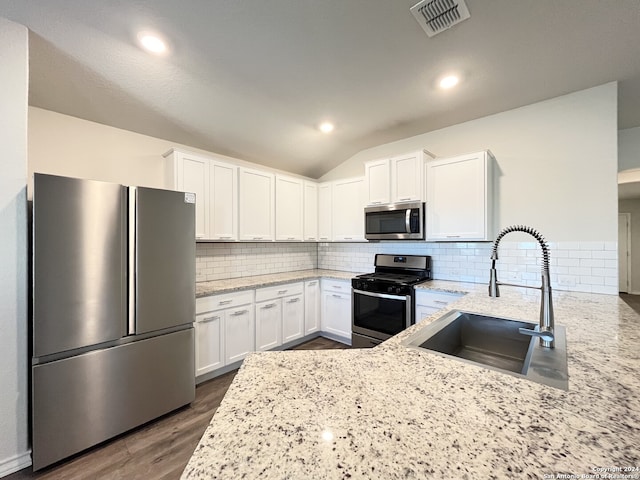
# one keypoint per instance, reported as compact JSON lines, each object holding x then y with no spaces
{"x":379,"y":315}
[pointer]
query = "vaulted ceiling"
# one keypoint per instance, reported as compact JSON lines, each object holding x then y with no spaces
{"x":253,"y":79}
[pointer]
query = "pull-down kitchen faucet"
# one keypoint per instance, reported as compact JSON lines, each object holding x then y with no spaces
{"x":545,"y":330}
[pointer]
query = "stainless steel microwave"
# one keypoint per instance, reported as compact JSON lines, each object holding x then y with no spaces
{"x":398,"y":221}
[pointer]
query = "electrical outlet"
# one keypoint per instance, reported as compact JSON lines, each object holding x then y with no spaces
{"x":566,"y":281}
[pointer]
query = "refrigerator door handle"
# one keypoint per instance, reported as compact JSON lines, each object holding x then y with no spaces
{"x":131,"y":273}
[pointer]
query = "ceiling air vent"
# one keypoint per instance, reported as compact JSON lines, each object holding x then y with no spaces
{"x":435,"y":16}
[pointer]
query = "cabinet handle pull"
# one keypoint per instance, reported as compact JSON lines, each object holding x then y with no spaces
{"x":224,"y":302}
{"x":324,"y":238}
{"x":211,"y":319}
{"x":291,"y":238}
{"x":225,"y":238}
{"x":293,"y":300}
{"x":258,"y":238}
{"x":282,"y":292}
{"x":268,"y":305}
{"x":337,"y":296}
{"x":376,"y":203}
{"x":348,"y":238}
{"x":312,"y":284}
{"x":337,"y":287}
{"x":311,"y":238}
{"x":453,"y":236}
{"x":404,"y":199}
{"x":199,"y":235}
{"x":239,"y":312}
{"x":440,"y":302}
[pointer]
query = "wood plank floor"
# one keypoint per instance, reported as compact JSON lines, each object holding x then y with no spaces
{"x":158,"y":450}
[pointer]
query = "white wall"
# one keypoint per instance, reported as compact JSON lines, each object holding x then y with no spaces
{"x":628,"y":149}
{"x":64,"y":145}
{"x":14,"y":55}
{"x":557,"y":162}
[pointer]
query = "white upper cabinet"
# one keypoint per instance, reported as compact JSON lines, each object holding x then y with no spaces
{"x":187,"y":172}
{"x":215,"y":184}
{"x":377,"y":174}
{"x":325,"y":212}
{"x":310,"y":228}
{"x":223,"y":201}
{"x":396,"y":179}
{"x":289,"y":208}
{"x":256,"y":205}
{"x":348,"y":210}
{"x":460,"y":198}
{"x":407,"y":177}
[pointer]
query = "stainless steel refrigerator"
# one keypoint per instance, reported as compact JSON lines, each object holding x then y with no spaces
{"x":113,"y":273}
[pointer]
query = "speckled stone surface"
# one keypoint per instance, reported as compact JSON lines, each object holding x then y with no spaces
{"x":392,"y":412}
{"x":204,"y":289}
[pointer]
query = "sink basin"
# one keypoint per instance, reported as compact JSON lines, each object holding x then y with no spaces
{"x":495,"y":343}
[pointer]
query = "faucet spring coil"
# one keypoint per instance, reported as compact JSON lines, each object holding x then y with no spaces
{"x":531,"y":231}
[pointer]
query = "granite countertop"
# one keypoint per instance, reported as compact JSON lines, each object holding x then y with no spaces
{"x":392,"y":412}
{"x":214,"y":287}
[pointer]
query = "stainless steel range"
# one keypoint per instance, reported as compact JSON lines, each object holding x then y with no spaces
{"x":383,"y":302}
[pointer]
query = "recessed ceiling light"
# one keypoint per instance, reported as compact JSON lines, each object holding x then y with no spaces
{"x":326,"y":127}
{"x":152,"y":43}
{"x":449,"y":81}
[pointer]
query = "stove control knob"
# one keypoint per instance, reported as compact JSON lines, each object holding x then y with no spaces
{"x":398,"y":289}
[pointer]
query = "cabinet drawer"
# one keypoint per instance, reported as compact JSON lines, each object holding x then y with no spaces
{"x":225,"y":300}
{"x":435,"y":299}
{"x":340,"y":286}
{"x":278,"y":291}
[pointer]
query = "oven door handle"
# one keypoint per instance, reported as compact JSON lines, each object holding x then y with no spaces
{"x":381,"y":295}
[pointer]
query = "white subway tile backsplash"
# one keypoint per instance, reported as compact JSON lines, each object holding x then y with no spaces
{"x":575,"y":266}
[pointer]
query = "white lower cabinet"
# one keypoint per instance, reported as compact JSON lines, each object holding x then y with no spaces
{"x":239,"y":326}
{"x":268,"y":324}
{"x":292,"y":318}
{"x":311,"y":306}
{"x":336,"y":308}
{"x":209,"y":342}
{"x":429,"y":302}
{"x":229,"y":326}
{"x":279,"y":315}
{"x":224,"y":330}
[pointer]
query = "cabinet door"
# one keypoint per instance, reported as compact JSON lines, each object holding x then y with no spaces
{"x":292,"y":318}
{"x":325,"y":212}
{"x":239,"y":328}
{"x":268,"y":324}
{"x":223,"y":204}
{"x":289,"y":208}
{"x":193,"y":176}
{"x":348,"y":210}
{"x":257,"y":208}
{"x":424,"y":311}
{"x":311,"y":306}
{"x":336,"y":313}
{"x":407,"y":178}
{"x":310,"y":212}
{"x":457,"y":198}
{"x":209,"y":342}
{"x":377,"y":182}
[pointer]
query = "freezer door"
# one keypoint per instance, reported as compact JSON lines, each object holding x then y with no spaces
{"x":79,"y":263}
{"x":165,"y":256}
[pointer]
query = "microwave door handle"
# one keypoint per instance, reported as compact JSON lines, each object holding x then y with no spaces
{"x":407,"y":220}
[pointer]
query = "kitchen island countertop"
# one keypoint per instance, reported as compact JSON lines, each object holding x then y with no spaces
{"x":392,"y":412}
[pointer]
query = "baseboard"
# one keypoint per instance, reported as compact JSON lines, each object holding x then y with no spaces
{"x":12,"y":465}
{"x":634,"y":293}
{"x":336,"y":338}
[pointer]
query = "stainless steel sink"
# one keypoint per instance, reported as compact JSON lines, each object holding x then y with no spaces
{"x":496,"y":343}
